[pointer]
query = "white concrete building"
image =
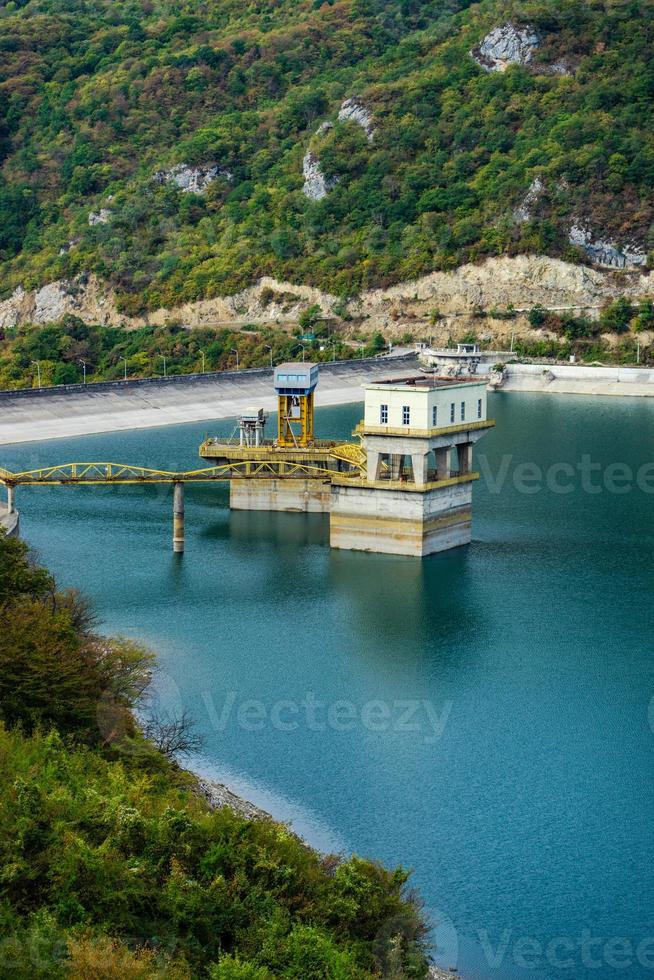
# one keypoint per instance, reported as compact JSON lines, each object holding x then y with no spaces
{"x":416,"y":497}
{"x":424,"y":403}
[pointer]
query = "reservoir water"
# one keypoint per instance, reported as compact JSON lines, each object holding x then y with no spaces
{"x":483,"y":716}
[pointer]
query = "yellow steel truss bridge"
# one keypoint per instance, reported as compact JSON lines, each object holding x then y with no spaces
{"x":87,"y":474}
{"x":257,"y":465}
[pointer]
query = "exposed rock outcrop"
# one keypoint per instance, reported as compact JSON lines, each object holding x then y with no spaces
{"x":354,"y":111}
{"x":68,"y":245}
{"x":191,"y":180}
{"x":606,"y":253}
{"x":218,"y":796}
{"x":316,"y":184}
{"x":506,"y":45}
{"x":84,"y":297}
{"x":101,"y":217}
{"x":524,"y":210}
{"x":522,"y":282}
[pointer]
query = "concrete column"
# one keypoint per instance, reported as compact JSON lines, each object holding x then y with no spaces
{"x":420,"y":461}
{"x":443,"y":463}
{"x":465,"y":458}
{"x":395,"y":464}
{"x":372,"y":465}
{"x":178,"y":518}
{"x":11,"y":505}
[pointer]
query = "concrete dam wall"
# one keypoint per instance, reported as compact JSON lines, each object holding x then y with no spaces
{"x":51,"y":413}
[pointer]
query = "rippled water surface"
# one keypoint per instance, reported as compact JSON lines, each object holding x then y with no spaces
{"x":481,"y":716}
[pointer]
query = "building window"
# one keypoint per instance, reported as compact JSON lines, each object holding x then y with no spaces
{"x":463,"y":411}
{"x":479,"y":409}
{"x":406,"y":415}
{"x":452,"y":412}
{"x":434,"y":415}
{"x":383,"y":414}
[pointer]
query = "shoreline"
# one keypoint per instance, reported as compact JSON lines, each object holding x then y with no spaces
{"x":218,"y":795}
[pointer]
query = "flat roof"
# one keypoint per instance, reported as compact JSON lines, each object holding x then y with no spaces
{"x":294,"y":365}
{"x":426,"y":381}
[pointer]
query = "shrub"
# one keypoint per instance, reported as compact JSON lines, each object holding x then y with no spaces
{"x":616,"y":316}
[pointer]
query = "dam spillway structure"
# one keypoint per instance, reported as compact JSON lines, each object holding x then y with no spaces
{"x":404,"y":488}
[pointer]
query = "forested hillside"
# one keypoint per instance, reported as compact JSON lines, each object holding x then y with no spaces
{"x":437,"y":158}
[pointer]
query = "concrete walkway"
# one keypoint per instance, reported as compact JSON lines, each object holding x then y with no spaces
{"x":54,"y":414}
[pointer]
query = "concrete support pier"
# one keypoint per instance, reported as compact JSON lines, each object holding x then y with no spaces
{"x":292,"y":496}
{"x":401,"y":522}
{"x":178,"y":518}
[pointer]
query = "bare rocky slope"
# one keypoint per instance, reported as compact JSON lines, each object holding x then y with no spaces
{"x":521,"y":282}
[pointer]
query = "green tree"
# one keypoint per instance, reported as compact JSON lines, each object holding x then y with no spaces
{"x":309,"y":317}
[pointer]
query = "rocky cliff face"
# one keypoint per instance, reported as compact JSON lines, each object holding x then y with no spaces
{"x":517,"y":45}
{"x":534,"y":193}
{"x":84,"y":297}
{"x":316,"y":184}
{"x":506,"y":45}
{"x":522,"y":282}
{"x":191,"y":180}
{"x":354,"y":111}
{"x":101,"y":217}
{"x":606,"y":253}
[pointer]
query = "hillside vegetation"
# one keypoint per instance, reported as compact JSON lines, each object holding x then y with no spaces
{"x":69,"y":350}
{"x":98,"y":97}
{"x":110,"y":867}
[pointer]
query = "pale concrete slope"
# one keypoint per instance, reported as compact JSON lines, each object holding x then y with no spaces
{"x":140,"y":405}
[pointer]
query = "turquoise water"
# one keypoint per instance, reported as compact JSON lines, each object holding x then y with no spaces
{"x":481,"y":716}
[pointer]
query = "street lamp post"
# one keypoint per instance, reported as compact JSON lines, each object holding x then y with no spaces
{"x":268,"y":347}
{"x":203,"y":361}
{"x":125,"y":372}
{"x":163,"y":356}
{"x":298,"y":347}
{"x":233,"y":350}
{"x":38,"y":371}
{"x":83,"y":363}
